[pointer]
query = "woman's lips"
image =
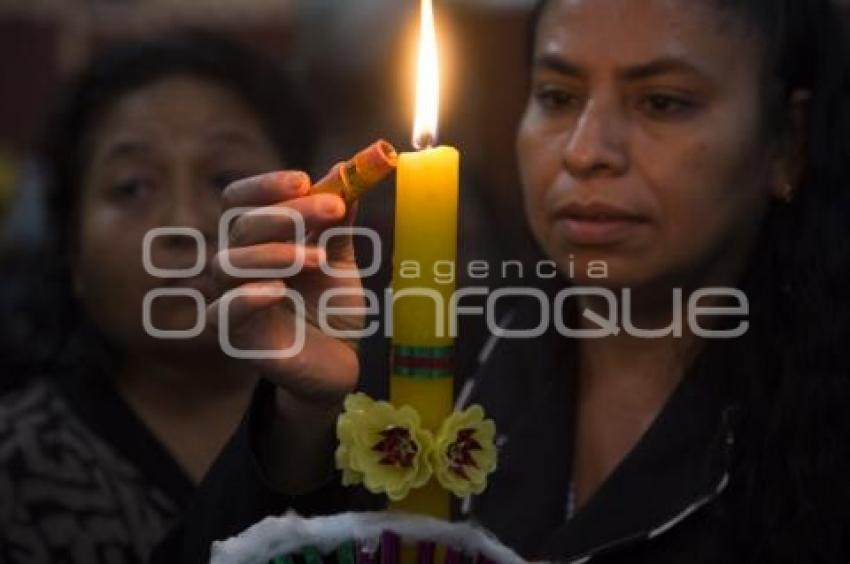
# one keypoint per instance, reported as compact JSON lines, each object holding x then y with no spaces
{"x":596,"y":223}
{"x":597,"y":232}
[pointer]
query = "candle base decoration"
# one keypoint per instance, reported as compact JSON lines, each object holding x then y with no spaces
{"x":388,"y":451}
{"x":367,"y":537}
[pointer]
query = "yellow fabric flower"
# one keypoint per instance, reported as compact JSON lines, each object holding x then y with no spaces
{"x":382,"y":447}
{"x":464,"y":451}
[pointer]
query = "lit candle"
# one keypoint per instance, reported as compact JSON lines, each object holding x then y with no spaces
{"x":425,"y":238}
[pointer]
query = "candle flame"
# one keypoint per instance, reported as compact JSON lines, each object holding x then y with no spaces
{"x":427,"y":81}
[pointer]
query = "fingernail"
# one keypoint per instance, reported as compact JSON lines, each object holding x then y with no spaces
{"x":316,"y":256}
{"x":296,"y":180}
{"x":303,"y":181}
{"x":332,"y":205}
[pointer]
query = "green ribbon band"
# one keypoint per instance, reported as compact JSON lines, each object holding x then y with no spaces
{"x":429,"y":363}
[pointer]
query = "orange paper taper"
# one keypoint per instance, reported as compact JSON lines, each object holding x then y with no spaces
{"x":351,"y":179}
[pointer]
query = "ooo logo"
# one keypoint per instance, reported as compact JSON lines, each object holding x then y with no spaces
{"x":299,"y":238}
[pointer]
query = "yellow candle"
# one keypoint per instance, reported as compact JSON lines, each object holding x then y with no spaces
{"x":425,"y":240}
{"x":425,"y":237}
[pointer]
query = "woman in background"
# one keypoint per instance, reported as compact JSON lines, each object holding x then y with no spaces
{"x":101,"y":453}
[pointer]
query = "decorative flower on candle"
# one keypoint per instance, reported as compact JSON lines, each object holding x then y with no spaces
{"x":464,"y":451}
{"x":382,"y":447}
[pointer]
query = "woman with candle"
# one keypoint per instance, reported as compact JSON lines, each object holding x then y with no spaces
{"x":688,"y":145}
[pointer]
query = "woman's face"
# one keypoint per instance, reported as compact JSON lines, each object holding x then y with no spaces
{"x":644,"y":142}
{"x":160,"y":158}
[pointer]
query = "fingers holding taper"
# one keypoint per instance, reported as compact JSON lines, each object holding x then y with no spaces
{"x":236,"y":266}
{"x":266,"y":189}
{"x":259,"y":322}
{"x":271,"y":222}
{"x":269,"y":274}
{"x":283,"y":221}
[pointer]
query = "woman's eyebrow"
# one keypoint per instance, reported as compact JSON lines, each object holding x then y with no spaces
{"x":660,"y":66}
{"x":125,"y":149}
{"x":234,"y":137}
{"x":663,"y":65}
{"x":556,"y":63}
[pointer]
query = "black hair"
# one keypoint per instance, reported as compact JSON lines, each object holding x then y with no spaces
{"x":789,"y":376}
{"x":261,"y":84}
{"x":264,"y":86}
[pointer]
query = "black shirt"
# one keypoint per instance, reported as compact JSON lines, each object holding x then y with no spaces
{"x":663,"y":503}
{"x":658,"y":496}
{"x":81,"y":478}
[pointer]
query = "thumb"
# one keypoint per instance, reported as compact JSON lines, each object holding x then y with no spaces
{"x":351,"y":213}
{"x":340,"y":248}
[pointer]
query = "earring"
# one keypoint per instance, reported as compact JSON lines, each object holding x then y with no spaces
{"x":786,"y":193}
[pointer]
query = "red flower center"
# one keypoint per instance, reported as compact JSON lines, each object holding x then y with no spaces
{"x":460,"y":453}
{"x":397,"y":447}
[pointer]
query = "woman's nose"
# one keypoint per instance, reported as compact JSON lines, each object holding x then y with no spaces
{"x":190,"y":210}
{"x":597,"y":143}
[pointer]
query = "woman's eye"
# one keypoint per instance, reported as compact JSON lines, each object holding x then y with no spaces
{"x":667,"y":106}
{"x":555,"y":99}
{"x":131,"y":189}
{"x":222,"y":180}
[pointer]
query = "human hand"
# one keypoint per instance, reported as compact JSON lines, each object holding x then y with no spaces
{"x":324,"y":368}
